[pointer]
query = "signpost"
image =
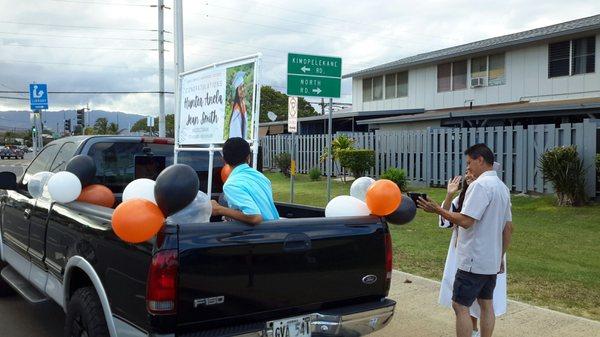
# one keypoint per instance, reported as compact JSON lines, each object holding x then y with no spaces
{"x":293,"y":128}
{"x":38,"y":100}
{"x":318,"y":76}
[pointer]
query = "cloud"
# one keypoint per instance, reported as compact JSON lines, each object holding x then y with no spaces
{"x":363,"y":33}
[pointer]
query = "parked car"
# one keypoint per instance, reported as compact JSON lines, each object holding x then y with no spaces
{"x":302,"y":276}
{"x":11,"y":152}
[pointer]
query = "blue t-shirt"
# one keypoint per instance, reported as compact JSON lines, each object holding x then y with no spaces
{"x":249,"y":191}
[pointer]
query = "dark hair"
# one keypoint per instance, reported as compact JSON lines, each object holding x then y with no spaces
{"x":481,"y":150}
{"x":236,"y":151}
{"x":461,"y":196}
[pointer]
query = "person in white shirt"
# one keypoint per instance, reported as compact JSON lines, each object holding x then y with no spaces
{"x":484,"y":238}
{"x":455,"y":204}
{"x":238,"y":122}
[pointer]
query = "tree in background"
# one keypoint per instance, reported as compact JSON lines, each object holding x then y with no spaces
{"x":141,"y":126}
{"x":113,"y":128}
{"x":102,"y":127}
{"x":273,"y":100}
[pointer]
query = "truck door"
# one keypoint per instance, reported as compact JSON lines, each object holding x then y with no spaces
{"x":39,"y":213}
{"x":19,"y":207}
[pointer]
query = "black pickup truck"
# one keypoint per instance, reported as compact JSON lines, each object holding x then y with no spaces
{"x":305,"y":275}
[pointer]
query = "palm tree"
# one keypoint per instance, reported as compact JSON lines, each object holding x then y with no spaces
{"x":341,"y":142}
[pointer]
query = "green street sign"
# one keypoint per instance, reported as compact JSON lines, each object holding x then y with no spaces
{"x":312,"y":75}
{"x":314,"y":65}
{"x":298,"y":85}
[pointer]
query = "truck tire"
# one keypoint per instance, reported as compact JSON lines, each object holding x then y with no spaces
{"x":85,"y":317}
{"x":5,"y":289}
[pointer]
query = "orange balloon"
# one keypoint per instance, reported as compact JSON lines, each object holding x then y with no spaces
{"x":383,"y":197}
{"x":137,"y":220}
{"x":98,"y":195}
{"x":225,"y":172}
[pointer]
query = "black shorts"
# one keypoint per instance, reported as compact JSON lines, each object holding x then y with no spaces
{"x":470,"y":286}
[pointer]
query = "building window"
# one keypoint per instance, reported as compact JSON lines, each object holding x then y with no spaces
{"x":402,"y":83}
{"x":558,"y":59}
{"x":479,"y":67}
{"x":452,"y":76}
{"x":390,"y":86}
{"x":367,"y":89}
{"x":459,"y":75}
{"x":377,"y":88}
{"x":444,"y":73}
{"x":584,"y":55}
{"x":497,"y":74}
{"x":572,"y":57}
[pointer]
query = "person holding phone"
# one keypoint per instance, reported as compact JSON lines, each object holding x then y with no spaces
{"x":483,"y":237}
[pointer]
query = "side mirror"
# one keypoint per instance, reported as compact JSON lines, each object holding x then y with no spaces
{"x":8,"y":181}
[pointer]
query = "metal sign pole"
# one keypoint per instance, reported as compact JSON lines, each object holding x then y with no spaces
{"x":329,"y":154}
{"x":293,"y":167}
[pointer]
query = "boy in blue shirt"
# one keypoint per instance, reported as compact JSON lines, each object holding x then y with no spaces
{"x":248,"y":192}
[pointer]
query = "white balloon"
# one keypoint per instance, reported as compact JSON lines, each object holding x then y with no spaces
{"x":345,"y":205}
{"x":140,"y":188}
{"x":360,"y":186}
{"x":198,"y":211}
{"x":64,"y":187}
{"x":37,"y":184}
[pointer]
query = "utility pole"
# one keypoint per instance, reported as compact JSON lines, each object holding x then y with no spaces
{"x":178,"y":46}
{"x":161,"y":71}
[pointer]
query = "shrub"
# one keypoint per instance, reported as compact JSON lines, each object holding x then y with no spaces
{"x":564,"y":169}
{"x":283,"y":161}
{"x":598,"y":165}
{"x":314,"y":174}
{"x":357,"y":161}
{"x":398,"y":176}
{"x":341,"y":142}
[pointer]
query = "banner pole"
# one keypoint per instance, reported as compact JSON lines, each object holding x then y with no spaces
{"x":256,"y":117}
{"x":211,"y":157}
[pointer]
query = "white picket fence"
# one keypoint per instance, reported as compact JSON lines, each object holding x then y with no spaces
{"x":433,"y":156}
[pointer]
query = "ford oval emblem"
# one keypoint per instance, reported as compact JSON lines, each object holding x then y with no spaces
{"x":369,"y":279}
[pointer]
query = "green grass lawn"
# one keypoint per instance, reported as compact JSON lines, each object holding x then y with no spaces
{"x":554,"y":260}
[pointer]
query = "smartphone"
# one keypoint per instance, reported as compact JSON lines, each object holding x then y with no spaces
{"x":415,"y":196}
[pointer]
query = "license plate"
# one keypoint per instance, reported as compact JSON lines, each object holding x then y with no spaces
{"x":291,"y":327}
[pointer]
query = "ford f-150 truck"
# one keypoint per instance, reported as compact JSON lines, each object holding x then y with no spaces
{"x":304,"y":275}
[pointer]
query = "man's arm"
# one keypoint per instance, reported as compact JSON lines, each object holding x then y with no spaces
{"x":219,"y":210}
{"x":506,"y":239}
{"x":459,"y":219}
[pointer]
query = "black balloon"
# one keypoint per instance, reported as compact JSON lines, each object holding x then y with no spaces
{"x":84,"y":168}
{"x":404,"y":214}
{"x":176,"y":186}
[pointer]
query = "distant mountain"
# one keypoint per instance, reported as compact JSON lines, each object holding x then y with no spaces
{"x":19,"y":120}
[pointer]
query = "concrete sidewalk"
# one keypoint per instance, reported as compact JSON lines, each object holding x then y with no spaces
{"x":419,"y":315}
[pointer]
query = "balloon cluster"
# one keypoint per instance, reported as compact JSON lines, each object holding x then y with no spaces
{"x":367,"y":196}
{"x":75,"y":183}
{"x":174,"y":197}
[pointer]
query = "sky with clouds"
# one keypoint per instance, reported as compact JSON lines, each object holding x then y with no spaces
{"x":110,"y":45}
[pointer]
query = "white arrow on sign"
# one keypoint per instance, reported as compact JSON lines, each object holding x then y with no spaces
{"x":304,"y":69}
{"x":318,"y":90}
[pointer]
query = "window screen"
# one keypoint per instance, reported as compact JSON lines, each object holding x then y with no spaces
{"x":403,"y":84}
{"x":367,"y":89}
{"x":390,"y":86}
{"x":584,"y":55}
{"x":479,"y":67}
{"x":459,"y":75}
{"x":558,"y":59}
{"x":443,"y":77}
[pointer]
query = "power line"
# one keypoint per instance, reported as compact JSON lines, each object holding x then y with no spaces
{"x":104,"y":3}
{"x":90,"y":48}
{"x":81,"y":37}
{"x":16,"y":98}
{"x":89,"y":92}
{"x":77,"y":65}
{"x":76,"y":27}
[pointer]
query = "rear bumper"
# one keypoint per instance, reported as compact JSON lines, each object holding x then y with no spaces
{"x":352,"y":321}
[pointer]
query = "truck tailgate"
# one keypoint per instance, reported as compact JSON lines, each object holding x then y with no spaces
{"x":230,"y":270}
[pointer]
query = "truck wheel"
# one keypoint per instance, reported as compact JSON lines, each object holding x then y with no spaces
{"x":5,"y":289}
{"x":85,"y":317}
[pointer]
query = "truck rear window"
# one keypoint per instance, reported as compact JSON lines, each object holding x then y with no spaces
{"x":115,"y":166}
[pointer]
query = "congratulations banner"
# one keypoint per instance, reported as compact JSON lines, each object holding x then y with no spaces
{"x":217,"y":103}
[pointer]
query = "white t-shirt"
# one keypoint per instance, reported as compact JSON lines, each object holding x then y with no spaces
{"x":236,"y":125}
{"x":487,"y":201}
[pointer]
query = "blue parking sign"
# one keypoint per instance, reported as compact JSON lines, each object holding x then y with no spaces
{"x":38,"y":96}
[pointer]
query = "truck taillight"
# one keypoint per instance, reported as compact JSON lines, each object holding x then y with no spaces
{"x":161,"y":289}
{"x":388,"y":260}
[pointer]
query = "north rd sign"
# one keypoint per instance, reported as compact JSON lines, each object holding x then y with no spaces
{"x":311,"y":75}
